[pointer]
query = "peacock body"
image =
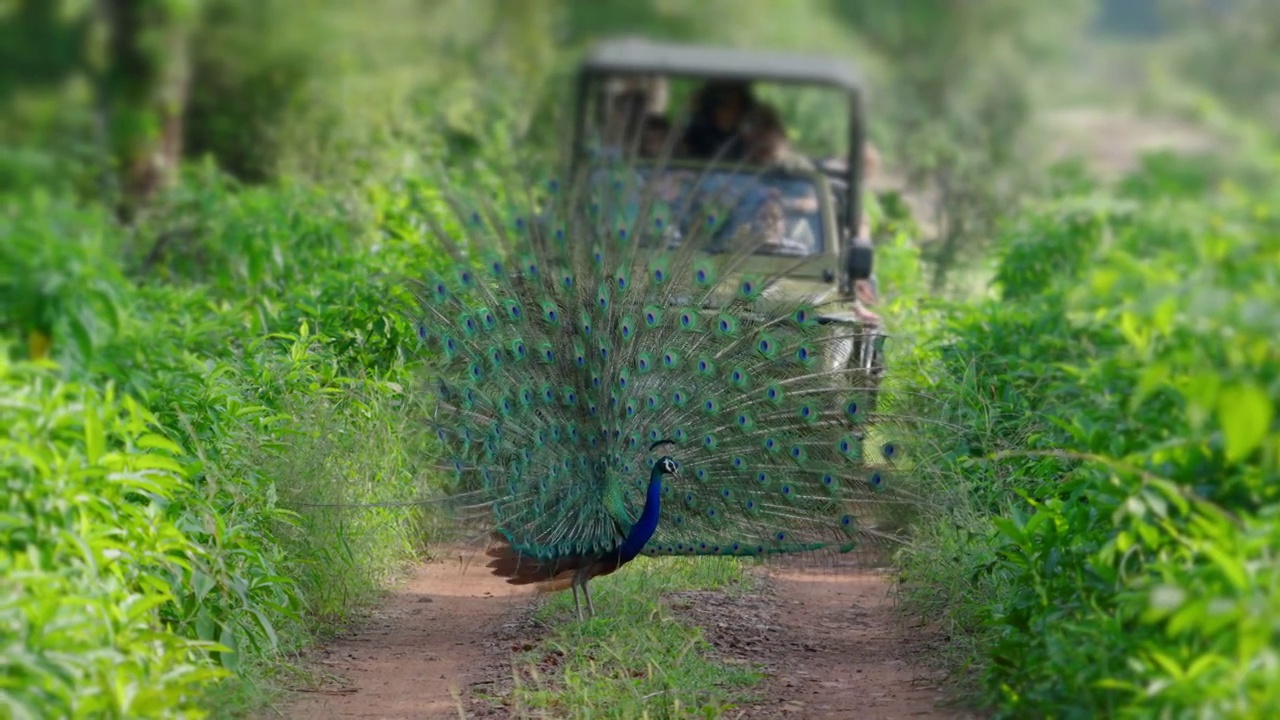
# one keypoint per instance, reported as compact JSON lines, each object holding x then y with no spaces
{"x":615,"y":377}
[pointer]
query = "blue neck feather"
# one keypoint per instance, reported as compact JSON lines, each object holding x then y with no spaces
{"x":648,"y":522}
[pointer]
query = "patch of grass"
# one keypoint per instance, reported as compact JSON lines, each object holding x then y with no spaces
{"x":343,"y":554}
{"x":634,"y":658}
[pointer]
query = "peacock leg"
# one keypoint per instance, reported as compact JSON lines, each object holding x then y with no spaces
{"x":591,"y":609}
{"x":576,"y":605}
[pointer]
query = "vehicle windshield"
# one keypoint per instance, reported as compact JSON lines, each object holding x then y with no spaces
{"x":779,"y":211}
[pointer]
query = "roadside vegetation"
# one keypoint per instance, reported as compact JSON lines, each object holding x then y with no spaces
{"x":204,"y":226}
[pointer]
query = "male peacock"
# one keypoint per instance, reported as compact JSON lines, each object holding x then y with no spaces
{"x":614,"y":379}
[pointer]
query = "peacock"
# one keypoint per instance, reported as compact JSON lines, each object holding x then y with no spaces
{"x":616,"y":375}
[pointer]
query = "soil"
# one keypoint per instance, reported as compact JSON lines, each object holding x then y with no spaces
{"x":422,"y":651}
{"x":831,"y":642}
{"x":829,"y":639}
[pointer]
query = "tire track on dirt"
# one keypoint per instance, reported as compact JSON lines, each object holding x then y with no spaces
{"x":421,"y":651}
{"x":831,"y":641}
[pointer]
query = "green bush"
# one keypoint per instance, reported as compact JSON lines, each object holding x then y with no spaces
{"x":60,"y":278}
{"x":1115,"y":554}
{"x":92,"y":555}
{"x":280,"y":410}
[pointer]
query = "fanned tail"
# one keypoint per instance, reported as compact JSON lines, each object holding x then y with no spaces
{"x":617,"y":310}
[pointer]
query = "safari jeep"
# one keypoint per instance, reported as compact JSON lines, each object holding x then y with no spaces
{"x":819,"y":249}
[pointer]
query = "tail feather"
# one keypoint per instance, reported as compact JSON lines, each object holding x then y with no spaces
{"x":523,"y":569}
{"x":556,"y":585}
{"x":608,"y":316}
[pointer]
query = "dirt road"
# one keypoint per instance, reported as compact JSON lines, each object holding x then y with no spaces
{"x":830,"y":641}
{"x":419,"y":653}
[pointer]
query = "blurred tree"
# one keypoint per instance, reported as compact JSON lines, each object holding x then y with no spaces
{"x":42,"y":43}
{"x":249,"y":61}
{"x":46,"y":125}
{"x":964,"y":75}
{"x":323,"y":93}
{"x":654,"y":18}
{"x":134,"y":52}
{"x":1231,"y":48}
{"x":143,"y":90}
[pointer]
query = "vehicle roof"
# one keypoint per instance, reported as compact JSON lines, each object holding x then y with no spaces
{"x":638,"y":55}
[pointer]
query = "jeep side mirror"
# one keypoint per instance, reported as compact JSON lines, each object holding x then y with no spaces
{"x":859,"y":260}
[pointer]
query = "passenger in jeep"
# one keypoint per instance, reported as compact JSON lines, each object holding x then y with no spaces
{"x":625,"y":116}
{"x":765,"y":138}
{"x":718,"y":109}
{"x":656,"y":136}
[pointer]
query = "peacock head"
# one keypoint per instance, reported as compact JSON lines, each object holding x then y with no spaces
{"x":667,"y":465}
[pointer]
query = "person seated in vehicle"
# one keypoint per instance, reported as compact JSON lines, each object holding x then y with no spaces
{"x":765,"y":138}
{"x":655,"y":137}
{"x":776,"y":232}
{"x":718,"y":109}
{"x":625,"y":115}
{"x":767,"y":213}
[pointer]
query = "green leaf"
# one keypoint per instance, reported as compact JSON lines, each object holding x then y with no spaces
{"x":1232,"y":568}
{"x":201,"y":584}
{"x":152,"y":441}
{"x":1245,"y":413}
{"x":205,"y":625}
{"x":1132,"y":329}
{"x":95,"y":441}
{"x":231,"y":659}
{"x":157,"y":462}
{"x":1010,"y":529}
{"x":266,"y":626}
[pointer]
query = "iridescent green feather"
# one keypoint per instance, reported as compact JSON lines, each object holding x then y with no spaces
{"x":581,"y":335}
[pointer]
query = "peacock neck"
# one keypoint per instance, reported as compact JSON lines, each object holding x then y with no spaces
{"x":648,"y":522}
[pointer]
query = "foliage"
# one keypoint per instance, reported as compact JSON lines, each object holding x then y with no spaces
{"x":59,"y":280}
{"x":93,"y":554}
{"x":958,"y":102}
{"x":1228,"y":48}
{"x":276,"y":408}
{"x":1116,"y":552}
{"x":250,"y":62}
{"x":40,"y":44}
{"x":334,"y":94}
